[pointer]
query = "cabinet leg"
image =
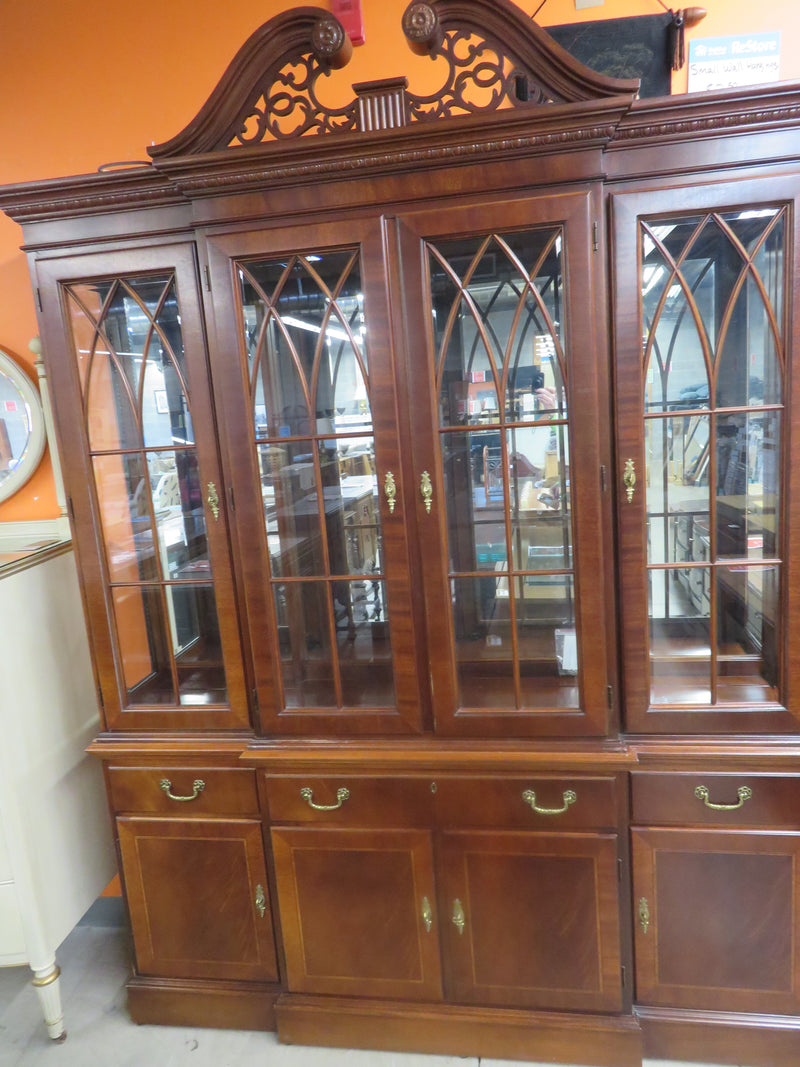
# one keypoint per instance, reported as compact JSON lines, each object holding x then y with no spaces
{"x":47,"y":986}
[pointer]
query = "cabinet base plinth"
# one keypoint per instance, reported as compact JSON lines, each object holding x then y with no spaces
{"x":720,"y":1037}
{"x":182,"y":1002}
{"x":604,"y":1041}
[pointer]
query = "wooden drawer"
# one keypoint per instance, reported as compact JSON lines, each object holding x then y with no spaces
{"x":670,"y":799}
{"x":567,"y":802}
{"x":224,"y":791}
{"x":350,"y":801}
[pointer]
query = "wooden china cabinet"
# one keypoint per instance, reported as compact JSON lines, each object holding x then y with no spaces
{"x":428,"y":459}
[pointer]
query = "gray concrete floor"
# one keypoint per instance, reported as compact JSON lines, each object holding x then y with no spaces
{"x":95,"y":963}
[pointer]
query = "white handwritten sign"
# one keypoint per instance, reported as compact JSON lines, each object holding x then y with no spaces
{"x":725,"y":62}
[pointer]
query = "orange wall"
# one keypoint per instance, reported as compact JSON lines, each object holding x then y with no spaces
{"x":85,"y":82}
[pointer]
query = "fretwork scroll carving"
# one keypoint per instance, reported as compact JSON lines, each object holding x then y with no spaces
{"x":493,"y":57}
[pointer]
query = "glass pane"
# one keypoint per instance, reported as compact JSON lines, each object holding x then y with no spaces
{"x":363,"y":643}
{"x":680,"y":636}
{"x":84,"y":306}
{"x":122,"y":493}
{"x":291,"y":509}
{"x":481,"y":620}
{"x":128,"y":338}
{"x":548,"y":648}
{"x":497,"y":305}
{"x":194,"y":629}
{"x":304,"y":633}
{"x":350,"y":488}
{"x":112,"y":416}
{"x":749,"y":371}
{"x":144,"y":643}
{"x":539,"y":483}
{"x":180,"y":518}
{"x":748,"y":481}
{"x":677,"y":488}
{"x":748,"y":632}
{"x":305,"y":328}
{"x":474,"y":491}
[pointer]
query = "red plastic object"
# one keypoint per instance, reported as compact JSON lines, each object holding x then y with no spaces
{"x":348,"y":12}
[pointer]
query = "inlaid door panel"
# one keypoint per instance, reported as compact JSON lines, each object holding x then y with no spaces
{"x":357,"y":912}
{"x":198,"y":897}
{"x":704,"y":428}
{"x":716,"y":922}
{"x":315,"y":457}
{"x":531,"y":920}
{"x":505,"y":369}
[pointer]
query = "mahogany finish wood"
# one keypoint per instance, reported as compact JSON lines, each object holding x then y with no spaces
{"x":192,"y":891}
{"x":352,"y":905}
{"x":540,"y":919}
{"x":634,"y":918}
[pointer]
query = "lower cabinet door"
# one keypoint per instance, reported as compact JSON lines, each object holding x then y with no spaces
{"x":198,"y":897}
{"x":715,"y":919}
{"x":357,"y":912}
{"x":531,"y":920}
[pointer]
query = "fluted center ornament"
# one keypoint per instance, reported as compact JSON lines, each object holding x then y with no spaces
{"x":420,"y":22}
{"x":327,"y":37}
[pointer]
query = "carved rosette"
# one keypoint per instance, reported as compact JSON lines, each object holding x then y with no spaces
{"x":421,"y":28}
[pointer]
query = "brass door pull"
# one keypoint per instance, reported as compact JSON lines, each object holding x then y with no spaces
{"x":342,"y":794}
{"x":198,"y":785}
{"x":213,"y":500}
{"x":644,"y":914}
{"x":426,"y":489}
{"x":458,"y":918}
{"x":427,"y":914}
{"x":390,"y":489}
{"x":261,"y":901}
{"x":568,"y":797}
{"x":744,"y":792}
{"x":629,"y":479}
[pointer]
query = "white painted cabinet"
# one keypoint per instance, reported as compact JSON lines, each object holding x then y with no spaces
{"x":56,"y":848}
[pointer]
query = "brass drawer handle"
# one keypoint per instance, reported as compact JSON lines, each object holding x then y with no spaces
{"x":261,"y":901}
{"x":744,"y":792}
{"x":458,"y":919}
{"x":390,"y":489}
{"x":568,"y":797}
{"x":426,"y":489}
{"x":198,"y":785}
{"x":644,"y":914}
{"x":427,"y":914}
{"x":342,"y":794}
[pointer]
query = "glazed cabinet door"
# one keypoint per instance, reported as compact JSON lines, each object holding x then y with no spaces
{"x":716,"y":922}
{"x":531,"y":919}
{"x":198,"y":897}
{"x":357,"y":910}
{"x":124,"y":340}
{"x":304,"y":361}
{"x":505,"y":371}
{"x":707,"y":498}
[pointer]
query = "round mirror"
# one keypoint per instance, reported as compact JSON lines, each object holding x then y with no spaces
{"x":22,"y":431}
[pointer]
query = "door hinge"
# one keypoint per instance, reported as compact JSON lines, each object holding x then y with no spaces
{"x":603,"y":478}
{"x":254,"y":695}
{"x":624,"y":974}
{"x":207,"y":276}
{"x":595,"y":245}
{"x":39,"y":298}
{"x":230,"y":498}
{"x":619,"y":870}
{"x":70,"y":509}
{"x":100,"y":699}
{"x":610,"y":696}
